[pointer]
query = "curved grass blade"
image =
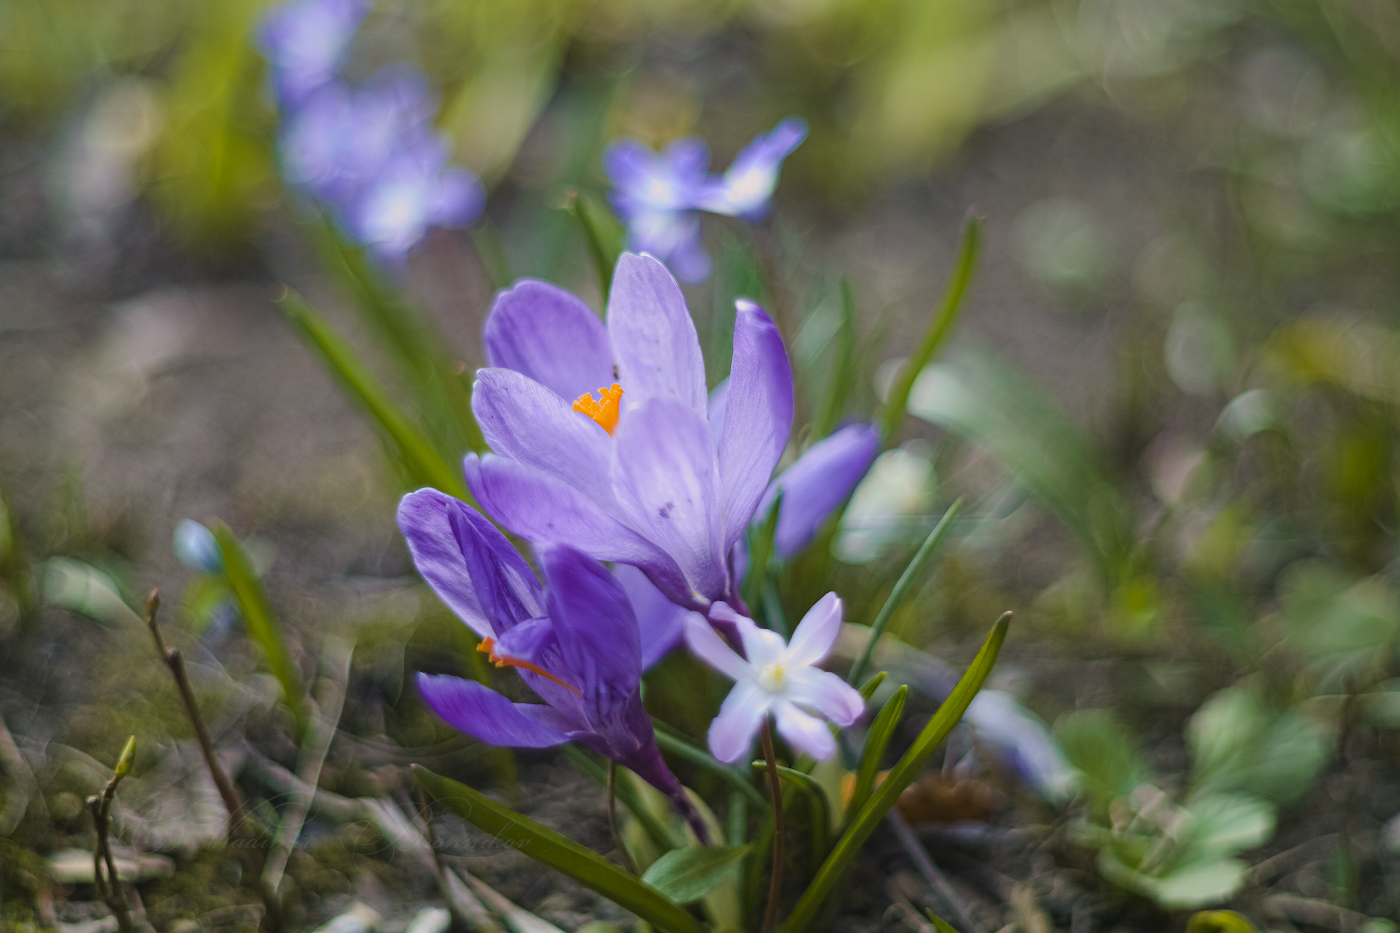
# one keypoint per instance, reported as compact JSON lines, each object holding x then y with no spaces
{"x":878,"y":739}
{"x":939,"y":924}
{"x":938,"y":330}
{"x":1219,"y":921}
{"x":422,"y":461}
{"x":604,"y":234}
{"x":872,"y":685}
{"x":843,"y":372}
{"x":626,"y":793}
{"x":262,"y":624}
{"x":816,"y":802}
{"x":560,"y":853}
{"x":686,"y":875}
{"x":900,"y":777}
{"x":672,"y":741}
{"x":902,"y":588}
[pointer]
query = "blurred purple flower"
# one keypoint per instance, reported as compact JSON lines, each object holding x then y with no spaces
{"x":306,"y":41}
{"x":1020,"y":739}
{"x":657,"y":195}
{"x":777,"y":677}
{"x":576,"y":644}
{"x":639,"y":478}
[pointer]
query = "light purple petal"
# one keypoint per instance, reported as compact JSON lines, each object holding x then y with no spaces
{"x":482,"y":712}
{"x":706,"y":645}
{"x":544,"y":510}
{"x":816,"y":633}
{"x":660,"y":622}
{"x":761,"y":646}
{"x":757,"y":416}
{"x":457,"y":199}
{"x":816,"y":485}
{"x":306,"y":42}
{"x":526,"y":422}
{"x":804,"y":733}
{"x":826,"y":693}
{"x":664,"y":478}
{"x":689,"y":158}
{"x":425,"y":517}
{"x":653,"y":337}
{"x":719,"y":397}
{"x":746,"y":189}
{"x":595,"y":625}
{"x":550,"y":335}
{"x":740,"y":715}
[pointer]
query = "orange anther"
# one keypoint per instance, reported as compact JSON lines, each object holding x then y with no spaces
{"x":604,"y":412}
{"x":488,"y":648}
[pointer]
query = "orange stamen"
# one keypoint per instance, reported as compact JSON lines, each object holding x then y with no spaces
{"x":604,"y":412}
{"x":488,"y":648}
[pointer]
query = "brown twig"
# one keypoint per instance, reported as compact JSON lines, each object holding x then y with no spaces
{"x":775,"y":885}
{"x":111,"y":889}
{"x":612,"y":818}
{"x":932,"y":874}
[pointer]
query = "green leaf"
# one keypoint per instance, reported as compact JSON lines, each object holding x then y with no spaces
{"x":1193,"y":885}
{"x":939,"y":329}
{"x":1238,"y":742}
{"x":843,"y":372}
{"x":815,"y":796}
{"x":686,"y":875}
{"x":949,"y":714}
{"x":604,"y":234}
{"x":1219,"y":921}
{"x":560,"y":853}
{"x":939,"y":924}
{"x":1105,"y":752}
{"x":672,"y":741}
{"x":422,"y":461}
{"x":262,"y":625}
{"x":626,"y":793}
{"x":903,"y":587}
{"x":876,"y":741}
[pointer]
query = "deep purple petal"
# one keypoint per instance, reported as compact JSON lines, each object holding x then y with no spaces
{"x":816,"y":633}
{"x":757,"y":416}
{"x":826,"y":693}
{"x":817,"y":483}
{"x":526,"y":422}
{"x":740,"y":715}
{"x":660,"y":622}
{"x":653,"y":337}
{"x":595,"y":625}
{"x":505,"y":587}
{"x":806,"y":734}
{"x":544,"y":510}
{"x":664,"y":475}
{"x":482,"y":712}
{"x":550,"y":335}
{"x":426,"y":519}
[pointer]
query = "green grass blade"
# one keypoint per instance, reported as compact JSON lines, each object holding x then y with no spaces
{"x":492,"y":254}
{"x":900,"y":777}
{"x":261,"y":623}
{"x":422,"y":461}
{"x":820,"y":813}
{"x":760,"y":545}
{"x":686,"y":875}
{"x":872,"y":685}
{"x":560,"y":853}
{"x":1219,"y":921}
{"x":843,"y":372}
{"x":604,"y":234}
{"x":626,"y":793}
{"x":902,"y":588}
{"x":939,"y":924}
{"x":672,"y":741}
{"x":876,"y":741}
{"x":939,"y":329}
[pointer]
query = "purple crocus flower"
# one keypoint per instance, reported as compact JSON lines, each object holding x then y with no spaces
{"x":576,"y":645}
{"x":779,"y":678}
{"x":746,"y":188}
{"x":639,"y":477}
{"x":657,"y":195}
{"x":306,"y":42}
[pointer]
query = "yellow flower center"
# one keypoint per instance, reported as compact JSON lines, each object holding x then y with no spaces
{"x":488,"y":648}
{"x":604,"y":411}
{"x":771,"y":677}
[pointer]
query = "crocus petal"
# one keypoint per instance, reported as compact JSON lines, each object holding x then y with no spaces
{"x":719,"y":398}
{"x":506,"y":589}
{"x":706,"y":645}
{"x":526,"y":422}
{"x":665,"y":479}
{"x":816,"y":633}
{"x":825,"y":693}
{"x":817,"y":483}
{"x":550,"y":335}
{"x":803,"y":732}
{"x":660,"y":622}
{"x":482,"y":712}
{"x":425,"y":517}
{"x":740,"y":715}
{"x":542,"y":509}
{"x":757,"y":416}
{"x":595,"y":625}
{"x":653,"y":337}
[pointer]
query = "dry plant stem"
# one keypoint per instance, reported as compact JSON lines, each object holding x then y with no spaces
{"x":775,"y":885}
{"x":110,"y":890}
{"x":931,"y":872}
{"x":612,"y":818}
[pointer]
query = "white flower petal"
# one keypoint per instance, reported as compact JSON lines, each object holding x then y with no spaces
{"x":803,"y":732}
{"x":825,"y":693}
{"x":741,"y":714}
{"x":816,"y":633}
